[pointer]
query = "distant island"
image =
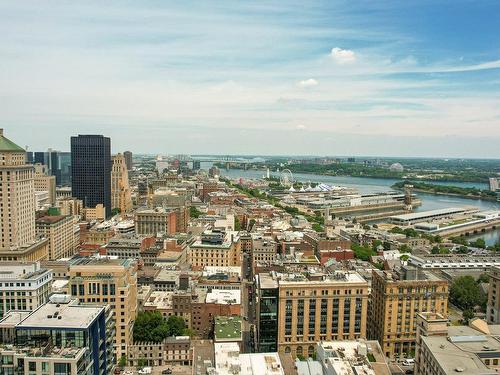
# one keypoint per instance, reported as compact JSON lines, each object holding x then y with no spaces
{"x":463,"y":192}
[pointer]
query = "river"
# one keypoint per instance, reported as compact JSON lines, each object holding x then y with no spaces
{"x":367,"y":185}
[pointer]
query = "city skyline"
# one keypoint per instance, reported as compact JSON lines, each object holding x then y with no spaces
{"x":386,"y":79}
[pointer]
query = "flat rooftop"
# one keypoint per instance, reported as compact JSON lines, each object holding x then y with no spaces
{"x":337,"y":277}
{"x":229,"y":361}
{"x":50,"y":219}
{"x":10,"y":271}
{"x":426,"y":214}
{"x":227,"y":328}
{"x":68,"y":315}
{"x":224,"y":297}
{"x":462,"y":350}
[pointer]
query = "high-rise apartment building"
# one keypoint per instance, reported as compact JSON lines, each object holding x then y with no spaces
{"x":23,"y":286}
{"x":120,"y":190}
{"x":59,"y":337}
{"x":396,"y":301}
{"x":128,"y":160}
{"x":109,"y":282}
{"x":493,"y":304}
{"x":311,"y":307}
{"x":91,"y":170}
{"x":63,"y":235}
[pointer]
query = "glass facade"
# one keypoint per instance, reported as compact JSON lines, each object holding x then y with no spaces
{"x":268,"y":320}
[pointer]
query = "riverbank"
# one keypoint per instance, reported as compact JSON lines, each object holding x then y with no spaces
{"x":447,"y":190}
{"x":383,"y":175}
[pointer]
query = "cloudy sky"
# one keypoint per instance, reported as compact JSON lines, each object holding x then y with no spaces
{"x":408,"y":78}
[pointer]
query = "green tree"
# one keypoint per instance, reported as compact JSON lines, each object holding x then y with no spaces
{"x":194,"y":212}
{"x":317,"y":227}
{"x":176,"y":325}
{"x":404,"y":248}
{"x":122,"y":362}
{"x":466,"y":293}
{"x":237,"y":223}
{"x":478,"y":243}
{"x":115,"y":211}
{"x":362,"y":252}
{"x":483,"y":278}
{"x":467,"y":315}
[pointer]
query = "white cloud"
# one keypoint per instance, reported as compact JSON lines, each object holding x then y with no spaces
{"x":308,"y":82}
{"x":343,"y":56}
{"x":301,"y":127}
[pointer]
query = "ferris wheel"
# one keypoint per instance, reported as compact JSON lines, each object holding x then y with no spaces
{"x":286,"y":178}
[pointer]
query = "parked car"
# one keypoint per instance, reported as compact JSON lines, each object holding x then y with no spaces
{"x":166,"y":372}
{"x":408,"y":362}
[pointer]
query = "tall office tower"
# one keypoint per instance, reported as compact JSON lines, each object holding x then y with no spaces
{"x":39,"y":157}
{"x":17,"y":197}
{"x":128,"y":159}
{"x":120,"y":190}
{"x":396,"y":301}
{"x":30,"y":157}
{"x":91,"y":170}
{"x":65,"y":168}
{"x":110,"y":282}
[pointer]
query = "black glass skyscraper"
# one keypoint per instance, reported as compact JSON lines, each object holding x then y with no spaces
{"x":91,"y":170}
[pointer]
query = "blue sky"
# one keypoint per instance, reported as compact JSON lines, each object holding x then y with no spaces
{"x":412,"y":78}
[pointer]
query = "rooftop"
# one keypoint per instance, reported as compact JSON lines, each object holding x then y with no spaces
{"x":224,"y":297}
{"x":7,"y":145}
{"x":462,"y":350}
{"x":50,"y":219}
{"x":227,"y":328}
{"x":20,"y":271}
{"x":426,"y":214}
{"x":61,"y":316}
{"x":229,"y":361}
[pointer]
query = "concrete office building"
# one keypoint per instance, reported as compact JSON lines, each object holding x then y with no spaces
{"x":263,"y":250}
{"x":493,"y":304}
{"x":44,"y":182}
{"x":63,"y":235}
{"x":150,"y":222}
{"x":110,"y":282}
{"x":396,"y":301}
{"x":23,"y":286}
{"x":59,"y":337}
{"x":91,"y":170}
{"x":312,"y":306}
{"x":215,"y":248}
{"x":120,"y":190}
{"x":128,"y":160}
{"x":447,"y":350}
{"x":17,"y":216}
